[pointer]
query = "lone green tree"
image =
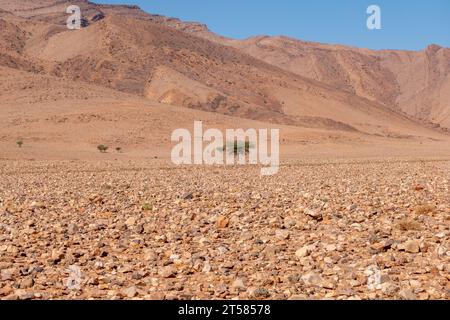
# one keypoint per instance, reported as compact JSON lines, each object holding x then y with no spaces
{"x":20,"y":143}
{"x":238,"y":147}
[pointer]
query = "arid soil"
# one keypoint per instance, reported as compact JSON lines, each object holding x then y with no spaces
{"x":340,"y":230}
{"x":359,"y":210}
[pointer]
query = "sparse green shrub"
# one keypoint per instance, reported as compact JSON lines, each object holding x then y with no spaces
{"x":20,"y":143}
{"x":147,"y":207}
{"x":102,"y":148}
{"x":238,"y":147}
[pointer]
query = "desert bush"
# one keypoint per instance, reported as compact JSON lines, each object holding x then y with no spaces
{"x":102,"y":148}
{"x":20,"y":143}
{"x":147,"y":207}
{"x":238,"y":147}
{"x":119,"y":149}
{"x":409,"y":224}
{"x":425,"y":209}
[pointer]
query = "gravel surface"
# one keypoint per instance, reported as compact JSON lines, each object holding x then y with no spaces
{"x":119,"y":230}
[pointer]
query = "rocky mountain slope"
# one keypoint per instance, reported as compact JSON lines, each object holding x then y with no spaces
{"x":417,"y":83}
{"x":131,"y":55}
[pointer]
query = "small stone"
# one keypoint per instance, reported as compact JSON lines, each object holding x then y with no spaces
{"x":168,"y":272}
{"x":72,"y":228}
{"x":357,"y":226}
{"x":37,"y":205}
{"x":130,"y":221}
{"x":222,"y":222}
{"x":57,"y":255}
{"x":221,"y":289}
{"x":328,"y":260}
{"x":385,"y":278}
{"x":261,"y":293}
{"x":7,"y":274}
{"x":58,"y":228}
{"x":137,"y":276}
{"x":156,"y":296}
{"x":407,"y":294}
{"x":415,"y":284}
{"x":424,"y":296}
{"x":389,"y":288}
{"x":139,"y":229}
{"x":222,"y":250}
{"x":188,"y":196}
{"x":303,"y":252}
{"x":238,"y":284}
{"x":441,"y":250}
{"x":412,"y":246}
{"x":174,"y":257}
{"x":282,"y":234}
{"x":131,"y":292}
{"x":23,"y":294}
{"x":271,"y":251}
{"x":289,"y":223}
{"x":328,"y":285}
{"x":26,"y":283}
{"x":228,"y":265}
{"x":5,"y":291}
{"x":312,"y":279}
{"x":150,"y":255}
{"x":206,"y":267}
{"x":316,"y":215}
{"x":440,"y":235}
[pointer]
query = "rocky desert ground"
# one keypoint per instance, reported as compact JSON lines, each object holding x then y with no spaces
{"x":317,"y":230}
{"x":360,"y":207}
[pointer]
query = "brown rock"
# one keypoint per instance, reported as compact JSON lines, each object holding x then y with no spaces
{"x":412,"y":246}
{"x":131,"y":292}
{"x":130,"y":221}
{"x":168,"y":272}
{"x":238,"y":284}
{"x":72,"y":229}
{"x":407,"y":294}
{"x":7,"y":274}
{"x":312,"y":279}
{"x":303,"y":252}
{"x":282,"y":234}
{"x":24,"y":295}
{"x":27,"y":283}
{"x":315,"y":214}
{"x":5,"y":291}
{"x":222,"y":222}
{"x":150,"y":255}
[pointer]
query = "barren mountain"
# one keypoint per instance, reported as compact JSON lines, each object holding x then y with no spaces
{"x":151,"y":60}
{"x":417,"y":83}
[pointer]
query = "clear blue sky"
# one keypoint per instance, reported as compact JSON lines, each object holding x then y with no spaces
{"x":406,"y":24}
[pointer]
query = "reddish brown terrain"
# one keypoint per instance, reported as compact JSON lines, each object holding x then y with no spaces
{"x":318,"y":93}
{"x":364,"y":180}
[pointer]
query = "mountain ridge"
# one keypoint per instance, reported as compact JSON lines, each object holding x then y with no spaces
{"x":157,"y":61}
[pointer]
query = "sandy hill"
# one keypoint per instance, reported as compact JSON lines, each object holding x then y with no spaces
{"x":124,"y":58}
